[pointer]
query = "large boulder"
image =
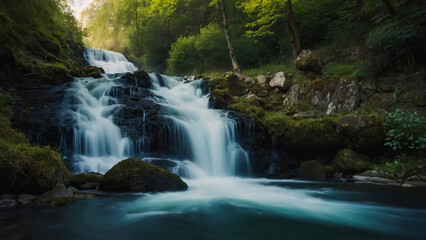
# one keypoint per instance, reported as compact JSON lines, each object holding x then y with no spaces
{"x":307,"y":61}
{"x":335,"y":95}
{"x":350,"y":162}
{"x":292,"y":96}
{"x":279,"y":81}
{"x":312,"y":170}
{"x":135,"y":175}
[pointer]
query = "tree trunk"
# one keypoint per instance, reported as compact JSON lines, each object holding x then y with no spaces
{"x":390,"y":7}
{"x":228,"y":38}
{"x":292,"y":29}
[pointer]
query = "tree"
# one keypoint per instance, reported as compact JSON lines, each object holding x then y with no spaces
{"x":292,"y":29}
{"x":228,"y":38}
{"x":266,"y":15}
{"x":390,"y":7}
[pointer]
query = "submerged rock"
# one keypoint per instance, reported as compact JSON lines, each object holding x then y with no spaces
{"x":350,"y":162}
{"x":135,"y":175}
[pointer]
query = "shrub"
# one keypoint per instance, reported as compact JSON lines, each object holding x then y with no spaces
{"x":405,"y":130}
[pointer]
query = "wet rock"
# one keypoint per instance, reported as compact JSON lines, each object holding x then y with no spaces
{"x":309,"y":62}
{"x":375,"y":178}
{"x":312,"y":170}
{"x":26,"y":199}
{"x":350,"y":162}
{"x":279,"y":81}
{"x":292,"y":96}
{"x":335,"y":95}
{"x":414,"y":184}
{"x":139,"y":78}
{"x":134,"y":175}
{"x":7,"y":203}
{"x":60,"y":192}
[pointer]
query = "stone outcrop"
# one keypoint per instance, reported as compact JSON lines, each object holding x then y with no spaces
{"x":350,"y":162}
{"x":333,"y":96}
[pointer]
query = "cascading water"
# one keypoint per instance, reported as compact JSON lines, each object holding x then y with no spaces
{"x":204,"y":136}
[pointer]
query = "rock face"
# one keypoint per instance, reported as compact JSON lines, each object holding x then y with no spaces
{"x":292,"y":96}
{"x":312,"y":170}
{"x":134,"y":175}
{"x":361,"y":131}
{"x":350,"y":162}
{"x":279,"y":81}
{"x":332,"y":96}
{"x":308,"y":62}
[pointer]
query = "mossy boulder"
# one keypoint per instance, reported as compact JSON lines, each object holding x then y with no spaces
{"x":309,"y":62}
{"x":135,"y":175}
{"x":350,"y":162}
{"x":79,"y":180}
{"x":312,"y":170}
{"x":28,"y":169}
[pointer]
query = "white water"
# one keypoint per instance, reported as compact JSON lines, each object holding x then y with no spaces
{"x":205,"y":137}
{"x":111,"y":62}
{"x":207,"y":133}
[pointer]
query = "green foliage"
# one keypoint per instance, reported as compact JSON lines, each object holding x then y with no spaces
{"x":405,"y":130}
{"x":39,"y":33}
{"x":181,"y":56}
{"x":338,"y":69}
{"x":395,"y":168}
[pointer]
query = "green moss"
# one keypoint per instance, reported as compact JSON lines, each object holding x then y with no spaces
{"x":135,"y":175}
{"x":350,"y":162}
{"x":248,"y":106}
{"x":30,"y":169}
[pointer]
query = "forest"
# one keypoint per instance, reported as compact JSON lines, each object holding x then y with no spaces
{"x":213,"y":119}
{"x":186,"y":36}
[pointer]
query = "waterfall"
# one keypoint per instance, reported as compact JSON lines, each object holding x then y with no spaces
{"x":203,"y":139}
{"x":111,"y":62}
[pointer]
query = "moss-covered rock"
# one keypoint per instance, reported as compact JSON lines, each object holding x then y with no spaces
{"x":308,"y":61}
{"x":135,"y":175}
{"x":350,"y":162}
{"x":28,"y":169}
{"x":362,"y":131}
{"x":80,"y":179}
{"x":312,"y":170}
